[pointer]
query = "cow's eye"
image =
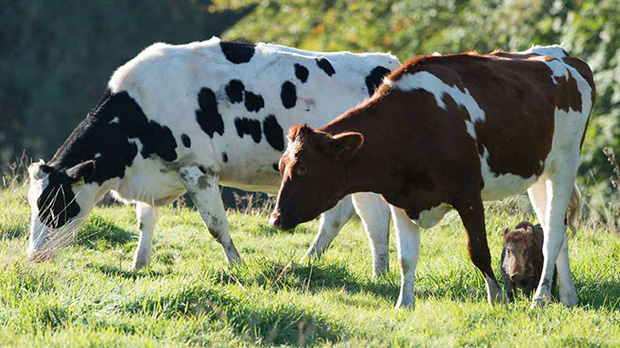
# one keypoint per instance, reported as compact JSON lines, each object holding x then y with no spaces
{"x":301,"y":169}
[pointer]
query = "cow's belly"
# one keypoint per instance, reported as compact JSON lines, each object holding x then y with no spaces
{"x":150,"y":182}
{"x":431,"y":217}
{"x":251,"y":178}
{"x":501,"y":186}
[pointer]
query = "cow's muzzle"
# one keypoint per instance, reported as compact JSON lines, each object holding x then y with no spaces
{"x":282,"y":221}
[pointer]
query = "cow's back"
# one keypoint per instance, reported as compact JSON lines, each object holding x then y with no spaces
{"x":229,"y":105}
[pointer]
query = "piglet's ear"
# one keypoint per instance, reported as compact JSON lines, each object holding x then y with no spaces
{"x":344,"y":146}
{"x":81,"y":172}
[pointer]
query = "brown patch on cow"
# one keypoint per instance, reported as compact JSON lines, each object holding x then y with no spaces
{"x":584,"y":70}
{"x":568,"y":96}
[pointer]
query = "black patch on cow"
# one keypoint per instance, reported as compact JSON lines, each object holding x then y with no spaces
{"x":208,"y":117}
{"x":276,"y":167}
{"x":187,"y":142}
{"x":57,"y":202}
{"x":273,"y":132}
{"x":108,"y":135}
{"x":374,"y":79}
{"x":253,"y":102}
{"x":109,"y":131}
{"x":237,"y":52}
{"x":224,"y":157}
{"x":248,"y":126}
{"x":326,"y":66}
{"x":301,"y":72}
{"x":288,"y":94}
{"x":234,"y":90}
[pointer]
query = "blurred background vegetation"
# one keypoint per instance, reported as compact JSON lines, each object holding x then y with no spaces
{"x":56,"y":57}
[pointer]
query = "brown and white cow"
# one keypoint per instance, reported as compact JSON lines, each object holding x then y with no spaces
{"x":449,"y":132}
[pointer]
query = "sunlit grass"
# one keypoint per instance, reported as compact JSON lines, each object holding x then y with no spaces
{"x":87,"y":296}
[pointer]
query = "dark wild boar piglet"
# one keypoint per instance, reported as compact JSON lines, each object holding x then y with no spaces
{"x":522,"y":259}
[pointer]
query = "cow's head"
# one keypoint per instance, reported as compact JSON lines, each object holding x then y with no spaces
{"x":315,"y":174}
{"x":60,"y":201}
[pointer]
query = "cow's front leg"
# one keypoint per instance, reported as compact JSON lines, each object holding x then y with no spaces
{"x":472,"y":215}
{"x":408,"y":248}
{"x":147,"y":218}
{"x":330,"y":224}
{"x":375,"y":215}
{"x":201,"y":185}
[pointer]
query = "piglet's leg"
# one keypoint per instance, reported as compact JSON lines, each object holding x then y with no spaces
{"x":472,"y":215}
{"x":408,"y":247}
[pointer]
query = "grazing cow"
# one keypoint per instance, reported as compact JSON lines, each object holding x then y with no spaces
{"x":185,"y":118}
{"x":449,"y":132}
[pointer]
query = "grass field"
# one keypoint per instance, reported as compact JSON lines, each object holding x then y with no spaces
{"x":86,"y":295}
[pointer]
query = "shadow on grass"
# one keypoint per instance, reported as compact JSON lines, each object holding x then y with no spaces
{"x":321,"y":276}
{"x":98,"y":230}
{"x":599,"y":294}
{"x":266,"y":323}
{"x":112,"y":271}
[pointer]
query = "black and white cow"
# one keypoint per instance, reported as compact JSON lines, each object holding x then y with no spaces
{"x":186,"y":118}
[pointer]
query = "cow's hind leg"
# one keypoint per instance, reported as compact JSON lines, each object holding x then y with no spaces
{"x":201,"y":184}
{"x":375,"y":216}
{"x":330,"y":224}
{"x":408,"y":247}
{"x":555,"y":247}
{"x":472,"y":215}
{"x":147,"y":218}
{"x":538,"y":198}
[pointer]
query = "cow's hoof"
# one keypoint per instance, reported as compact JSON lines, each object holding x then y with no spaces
{"x":405,"y":304}
{"x":540,"y":302}
{"x":139,"y":265}
{"x":380,"y":271}
{"x":494,"y":292}
{"x":569,"y":300}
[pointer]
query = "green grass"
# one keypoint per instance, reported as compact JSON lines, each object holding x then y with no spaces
{"x":86,"y":295}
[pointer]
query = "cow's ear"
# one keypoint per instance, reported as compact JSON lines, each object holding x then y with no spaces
{"x":81,"y":172}
{"x":344,"y":146}
{"x":506,"y":231}
{"x":38,"y":170}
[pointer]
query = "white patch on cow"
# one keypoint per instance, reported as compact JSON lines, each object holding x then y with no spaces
{"x":500,"y":186}
{"x":426,"y":81}
{"x":553,"y":50}
{"x":115,"y":120}
{"x":138,"y":144}
{"x":431,"y":217}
